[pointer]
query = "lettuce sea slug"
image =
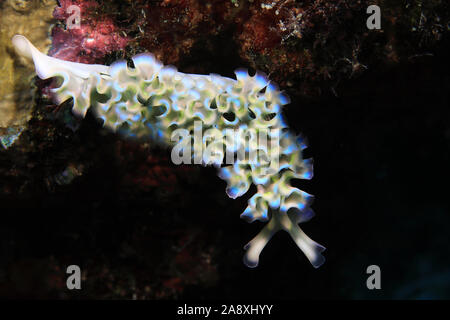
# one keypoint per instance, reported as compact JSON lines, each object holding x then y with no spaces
{"x":155,"y":101}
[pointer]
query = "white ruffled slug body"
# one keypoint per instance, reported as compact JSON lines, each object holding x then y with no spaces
{"x":153,"y":100}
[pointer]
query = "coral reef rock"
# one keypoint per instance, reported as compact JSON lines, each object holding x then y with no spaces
{"x":34,"y":19}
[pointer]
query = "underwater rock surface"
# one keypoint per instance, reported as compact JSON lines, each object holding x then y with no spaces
{"x":34,"y":20}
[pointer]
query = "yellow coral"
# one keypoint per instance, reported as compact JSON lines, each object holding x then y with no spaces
{"x":33,"y":19}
